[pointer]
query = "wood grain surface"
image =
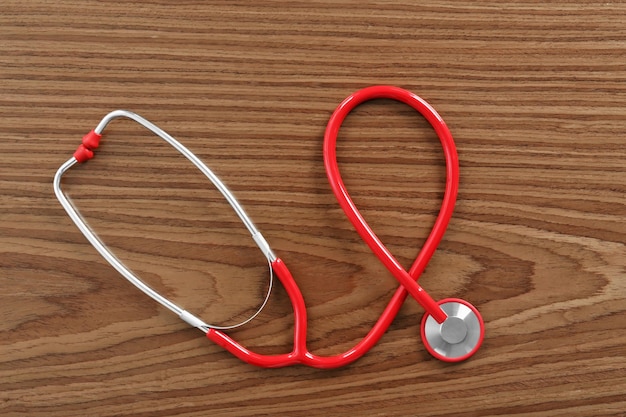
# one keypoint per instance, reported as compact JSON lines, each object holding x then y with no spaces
{"x":534,"y":93}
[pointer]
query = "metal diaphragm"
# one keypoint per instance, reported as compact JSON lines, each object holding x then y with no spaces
{"x":459,"y":336}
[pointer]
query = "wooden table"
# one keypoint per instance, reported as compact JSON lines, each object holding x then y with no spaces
{"x":534,"y":93}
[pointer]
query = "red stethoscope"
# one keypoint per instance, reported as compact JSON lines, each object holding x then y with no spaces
{"x":452,"y":329}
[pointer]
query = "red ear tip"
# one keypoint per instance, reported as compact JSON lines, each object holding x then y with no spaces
{"x":83,"y":154}
{"x":91,"y":140}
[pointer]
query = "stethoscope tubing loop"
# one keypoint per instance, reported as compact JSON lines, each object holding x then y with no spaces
{"x":408,"y":280}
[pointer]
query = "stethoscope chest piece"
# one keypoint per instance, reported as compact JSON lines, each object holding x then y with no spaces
{"x":459,"y":336}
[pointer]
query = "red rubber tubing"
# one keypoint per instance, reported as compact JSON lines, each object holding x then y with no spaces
{"x":408,"y":280}
{"x":300,"y":354}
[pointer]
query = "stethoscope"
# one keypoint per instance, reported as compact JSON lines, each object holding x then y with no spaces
{"x":452,"y":329}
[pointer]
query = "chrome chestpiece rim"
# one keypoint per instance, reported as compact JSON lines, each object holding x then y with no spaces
{"x":459,"y":336}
